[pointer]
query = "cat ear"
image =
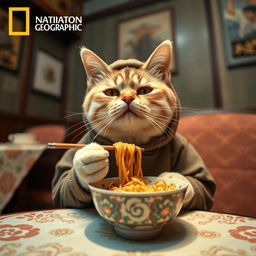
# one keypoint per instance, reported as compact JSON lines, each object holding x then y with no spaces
{"x":159,"y":63}
{"x":96,"y":69}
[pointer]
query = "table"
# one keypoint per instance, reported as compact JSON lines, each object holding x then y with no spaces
{"x":73,"y":232}
{"x":15,"y":163}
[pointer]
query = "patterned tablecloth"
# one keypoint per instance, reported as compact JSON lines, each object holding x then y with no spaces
{"x":15,"y":163}
{"x":70,"y":232}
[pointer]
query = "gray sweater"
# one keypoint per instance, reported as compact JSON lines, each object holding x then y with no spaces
{"x":172,"y":154}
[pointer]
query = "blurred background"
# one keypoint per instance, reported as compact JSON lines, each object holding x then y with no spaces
{"x":213,"y":65}
{"x":202,"y":79}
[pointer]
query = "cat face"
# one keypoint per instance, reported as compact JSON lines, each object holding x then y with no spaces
{"x":129,"y":104}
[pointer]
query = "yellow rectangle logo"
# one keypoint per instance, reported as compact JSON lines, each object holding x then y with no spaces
{"x":27,"y":22}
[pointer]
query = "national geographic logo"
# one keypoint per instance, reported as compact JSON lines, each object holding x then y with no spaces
{"x":27,"y":21}
{"x":44,"y":23}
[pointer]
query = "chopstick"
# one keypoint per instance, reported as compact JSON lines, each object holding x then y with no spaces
{"x":73,"y":145}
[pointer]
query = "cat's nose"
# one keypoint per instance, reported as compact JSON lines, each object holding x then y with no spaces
{"x":127,"y":98}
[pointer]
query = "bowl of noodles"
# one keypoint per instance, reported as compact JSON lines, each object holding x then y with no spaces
{"x":137,"y":206}
{"x":138,"y":214}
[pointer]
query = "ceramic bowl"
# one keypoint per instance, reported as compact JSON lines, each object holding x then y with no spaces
{"x":138,"y":215}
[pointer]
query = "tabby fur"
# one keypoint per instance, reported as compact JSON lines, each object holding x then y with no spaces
{"x":131,"y":101}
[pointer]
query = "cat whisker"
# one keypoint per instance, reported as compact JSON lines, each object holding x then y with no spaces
{"x":157,"y":115}
{"x":74,"y":139}
{"x":91,"y":129}
{"x":188,"y":109}
{"x":80,"y":129}
{"x":181,"y":108}
{"x":73,"y":114}
{"x":161,"y":108}
{"x":104,"y":126}
{"x":97,"y":123}
{"x":167,"y":129}
{"x":104,"y":132}
{"x":150,"y":120}
{"x":100,"y":113}
{"x":102,"y":121}
{"x":83,"y":128}
{"x":160,"y":116}
{"x":74,"y":125}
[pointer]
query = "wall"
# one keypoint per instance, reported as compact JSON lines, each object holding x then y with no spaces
{"x":194,"y":79}
{"x":39,"y":104}
{"x":20,"y":105}
{"x":93,"y":6}
{"x":9,"y":91}
{"x":193,"y":82}
{"x":237,"y":84}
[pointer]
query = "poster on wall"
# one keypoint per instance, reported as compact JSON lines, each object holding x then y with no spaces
{"x":137,"y":37}
{"x":239,"y":30}
{"x":48,"y":74}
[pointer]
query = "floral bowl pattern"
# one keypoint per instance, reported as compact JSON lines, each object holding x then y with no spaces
{"x":138,"y":215}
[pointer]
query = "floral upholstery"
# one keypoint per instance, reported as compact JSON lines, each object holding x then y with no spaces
{"x":227,"y":144}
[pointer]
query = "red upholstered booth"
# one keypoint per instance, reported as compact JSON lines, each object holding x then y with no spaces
{"x":48,"y":133}
{"x":34,"y":193}
{"x":227,"y":144}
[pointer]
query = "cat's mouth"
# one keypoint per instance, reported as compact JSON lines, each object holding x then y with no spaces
{"x":126,"y":113}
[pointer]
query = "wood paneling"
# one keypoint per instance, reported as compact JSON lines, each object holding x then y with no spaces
{"x":213,"y":53}
{"x":9,"y":123}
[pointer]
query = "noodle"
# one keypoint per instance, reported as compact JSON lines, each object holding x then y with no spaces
{"x":128,"y":160}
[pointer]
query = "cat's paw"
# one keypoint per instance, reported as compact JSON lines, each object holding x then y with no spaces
{"x":190,"y":190}
{"x":91,"y":164}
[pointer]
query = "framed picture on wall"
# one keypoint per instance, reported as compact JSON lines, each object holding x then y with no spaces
{"x":137,"y":37}
{"x":239,"y":30}
{"x":48,"y":74}
{"x":10,"y":46}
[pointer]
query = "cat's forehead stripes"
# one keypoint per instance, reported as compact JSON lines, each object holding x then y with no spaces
{"x":128,"y":77}
{"x":119,"y":80}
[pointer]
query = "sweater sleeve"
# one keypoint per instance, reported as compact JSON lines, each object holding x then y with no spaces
{"x":66,"y":190}
{"x":188,"y":162}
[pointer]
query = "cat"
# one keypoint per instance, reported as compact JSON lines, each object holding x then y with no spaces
{"x":126,"y":98}
{"x":133,"y":102}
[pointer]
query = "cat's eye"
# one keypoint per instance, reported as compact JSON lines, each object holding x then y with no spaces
{"x":112,"y":92}
{"x":144,"y":90}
